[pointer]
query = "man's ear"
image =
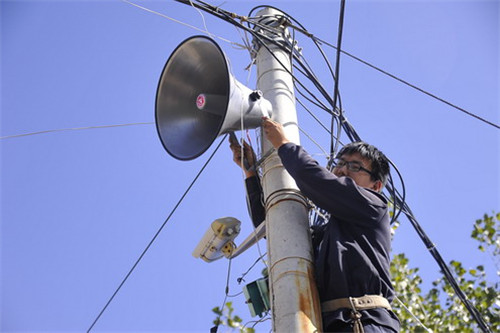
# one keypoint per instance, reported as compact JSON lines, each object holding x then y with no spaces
{"x":377,"y":186}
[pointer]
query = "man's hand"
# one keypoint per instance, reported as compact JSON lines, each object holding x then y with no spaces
{"x":248,"y":156}
{"x":274,"y":132}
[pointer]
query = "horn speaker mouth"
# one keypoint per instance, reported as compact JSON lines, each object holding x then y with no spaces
{"x":192,"y":97}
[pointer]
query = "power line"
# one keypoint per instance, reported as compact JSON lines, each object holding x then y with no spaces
{"x":333,"y":147}
{"x":183,"y":23}
{"x":156,"y":235}
{"x":226,"y":295}
{"x":303,"y":30}
{"x":317,"y":40}
{"x":71,"y":129}
{"x":414,"y":86}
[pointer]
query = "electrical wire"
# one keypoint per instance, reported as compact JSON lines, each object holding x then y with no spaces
{"x":156,"y":234}
{"x":294,"y":77}
{"x":319,"y":40}
{"x":412,"y":315}
{"x":226,"y":295}
{"x":333,"y":147}
{"x":445,"y":270}
{"x":254,"y":164}
{"x":313,"y":141}
{"x":299,"y":58}
{"x":71,"y":129}
{"x":203,"y":20}
{"x":407,"y":83}
{"x":395,"y":197}
{"x":311,"y":98}
{"x":254,"y":323}
{"x":242,"y":277}
{"x":313,"y":115}
{"x":188,"y":2}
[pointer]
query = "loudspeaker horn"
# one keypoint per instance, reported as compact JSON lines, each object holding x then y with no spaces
{"x":198,"y":99}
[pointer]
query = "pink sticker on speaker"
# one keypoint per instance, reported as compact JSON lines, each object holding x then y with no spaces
{"x":200,"y":101}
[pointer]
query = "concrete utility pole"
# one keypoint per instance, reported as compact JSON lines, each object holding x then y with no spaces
{"x":293,"y":295}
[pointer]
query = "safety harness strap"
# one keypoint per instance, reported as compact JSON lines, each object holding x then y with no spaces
{"x":355,"y":304}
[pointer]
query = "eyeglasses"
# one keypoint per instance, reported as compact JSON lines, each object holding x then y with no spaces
{"x":353,"y":166}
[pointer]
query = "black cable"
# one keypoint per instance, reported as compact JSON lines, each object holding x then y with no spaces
{"x":393,"y":193}
{"x":349,"y":130}
{"x":314,"y":116}
{"x":259,"y":38}
{"x":226,"y":292}
{"x":314,"y":81}
{"x":446,"y":271}
{"x":303,"y":30}
{"x":312,"y":98}
{"x":337,"y":70}
{"x":316,"y":103}
{"x":282,"y":46}
{"x":242,"y":277}
{"x":312,"y":77}
{"x":412,"y":85}
{"x":157,"y":233}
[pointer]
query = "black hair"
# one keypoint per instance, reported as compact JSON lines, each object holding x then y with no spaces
{"x":379,"y":162}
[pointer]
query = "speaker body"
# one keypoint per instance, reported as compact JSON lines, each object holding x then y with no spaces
{"x":198,"y":99}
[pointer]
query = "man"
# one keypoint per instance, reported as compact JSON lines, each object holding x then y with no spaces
{"x":351,"y":250}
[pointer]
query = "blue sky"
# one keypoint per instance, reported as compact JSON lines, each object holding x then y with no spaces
{"x":79,"y":206}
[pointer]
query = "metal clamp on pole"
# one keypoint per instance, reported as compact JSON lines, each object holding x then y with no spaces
{"x":285,"y":194}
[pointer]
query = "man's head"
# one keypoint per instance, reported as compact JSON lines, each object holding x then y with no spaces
{"x":364,"y":163}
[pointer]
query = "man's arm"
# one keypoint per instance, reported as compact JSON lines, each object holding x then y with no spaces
{"x":254,"y":194}
{"x":341,"y":197}
{"x":252,"y":182}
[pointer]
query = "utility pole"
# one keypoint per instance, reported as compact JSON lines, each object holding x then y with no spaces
{"x":293,"y":295}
